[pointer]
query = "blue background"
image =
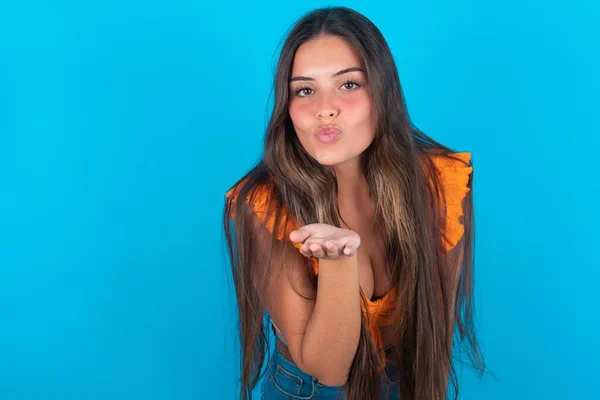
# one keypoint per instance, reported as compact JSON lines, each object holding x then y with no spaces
{"x":123,"y":124}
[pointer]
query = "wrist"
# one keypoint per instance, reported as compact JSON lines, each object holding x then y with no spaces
{"x":341,"y":262}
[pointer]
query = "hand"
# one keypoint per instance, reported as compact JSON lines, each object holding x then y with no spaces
{"x":326,"y":241}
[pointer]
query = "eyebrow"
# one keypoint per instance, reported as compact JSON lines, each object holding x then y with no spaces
{"x":342,"y":72}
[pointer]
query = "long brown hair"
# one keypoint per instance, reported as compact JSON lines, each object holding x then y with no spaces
{"x":404,"y":184}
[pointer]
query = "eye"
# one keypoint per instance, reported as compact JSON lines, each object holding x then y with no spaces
{"x":351,"y":85}
{"x":303,"y":91}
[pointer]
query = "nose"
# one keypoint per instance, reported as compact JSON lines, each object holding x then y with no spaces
{"x":326,"y":109}
{"x":327,"y":113}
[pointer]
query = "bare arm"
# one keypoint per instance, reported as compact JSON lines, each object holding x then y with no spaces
{"x":321,"y":326}
{"x":333,"y":331}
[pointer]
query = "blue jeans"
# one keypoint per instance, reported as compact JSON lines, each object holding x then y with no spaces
{"x":284,"y":380}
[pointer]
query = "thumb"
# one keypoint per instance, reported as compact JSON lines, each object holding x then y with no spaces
{"x":301,"y":234}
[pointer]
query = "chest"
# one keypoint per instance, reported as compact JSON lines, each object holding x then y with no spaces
{"x":374,"y":275}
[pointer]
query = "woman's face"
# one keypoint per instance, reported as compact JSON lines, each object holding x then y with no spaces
{"x":330,"y":102}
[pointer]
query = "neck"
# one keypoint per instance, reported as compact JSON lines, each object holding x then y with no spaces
{"x":353,"y":189}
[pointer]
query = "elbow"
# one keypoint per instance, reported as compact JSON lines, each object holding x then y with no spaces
{"x":332,"y":379}
{"x":322,"y":366}
{"x":326,"y":375}
{"x":330,"y":375}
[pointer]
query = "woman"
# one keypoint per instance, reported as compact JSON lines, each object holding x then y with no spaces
{"x":355,"y":234}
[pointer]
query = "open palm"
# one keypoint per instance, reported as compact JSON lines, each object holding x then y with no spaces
{"x":326,"y":241}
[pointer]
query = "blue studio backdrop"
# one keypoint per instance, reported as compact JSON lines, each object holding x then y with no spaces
{"x":123,"y":123}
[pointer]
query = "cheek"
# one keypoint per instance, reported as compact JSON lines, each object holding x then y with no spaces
{"x":359,"y":115}
{"x":358,"y":108}
{"x":301,"y":114}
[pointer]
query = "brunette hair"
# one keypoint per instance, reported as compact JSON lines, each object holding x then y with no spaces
{"x":405,"y":186}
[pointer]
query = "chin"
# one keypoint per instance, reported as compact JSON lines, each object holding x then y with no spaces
{"x":328,"y":159}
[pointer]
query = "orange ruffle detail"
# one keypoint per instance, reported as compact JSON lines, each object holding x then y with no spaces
{"x":454,"y":176}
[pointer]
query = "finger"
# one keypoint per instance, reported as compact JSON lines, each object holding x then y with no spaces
{"x":305,"y":251}
{"x":317,"y":250}
{"x":350,"y":249}
{"x":331,"y":249}
{"x":299,"y":235}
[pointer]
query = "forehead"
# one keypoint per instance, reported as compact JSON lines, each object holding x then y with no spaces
{"x":325,"y":54}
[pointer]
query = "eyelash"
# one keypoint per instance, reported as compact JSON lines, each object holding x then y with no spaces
{"x":348,"y":82}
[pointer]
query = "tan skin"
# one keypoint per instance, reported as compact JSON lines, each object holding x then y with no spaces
{"x":328,"y":87}
{"x":344,"y":100}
